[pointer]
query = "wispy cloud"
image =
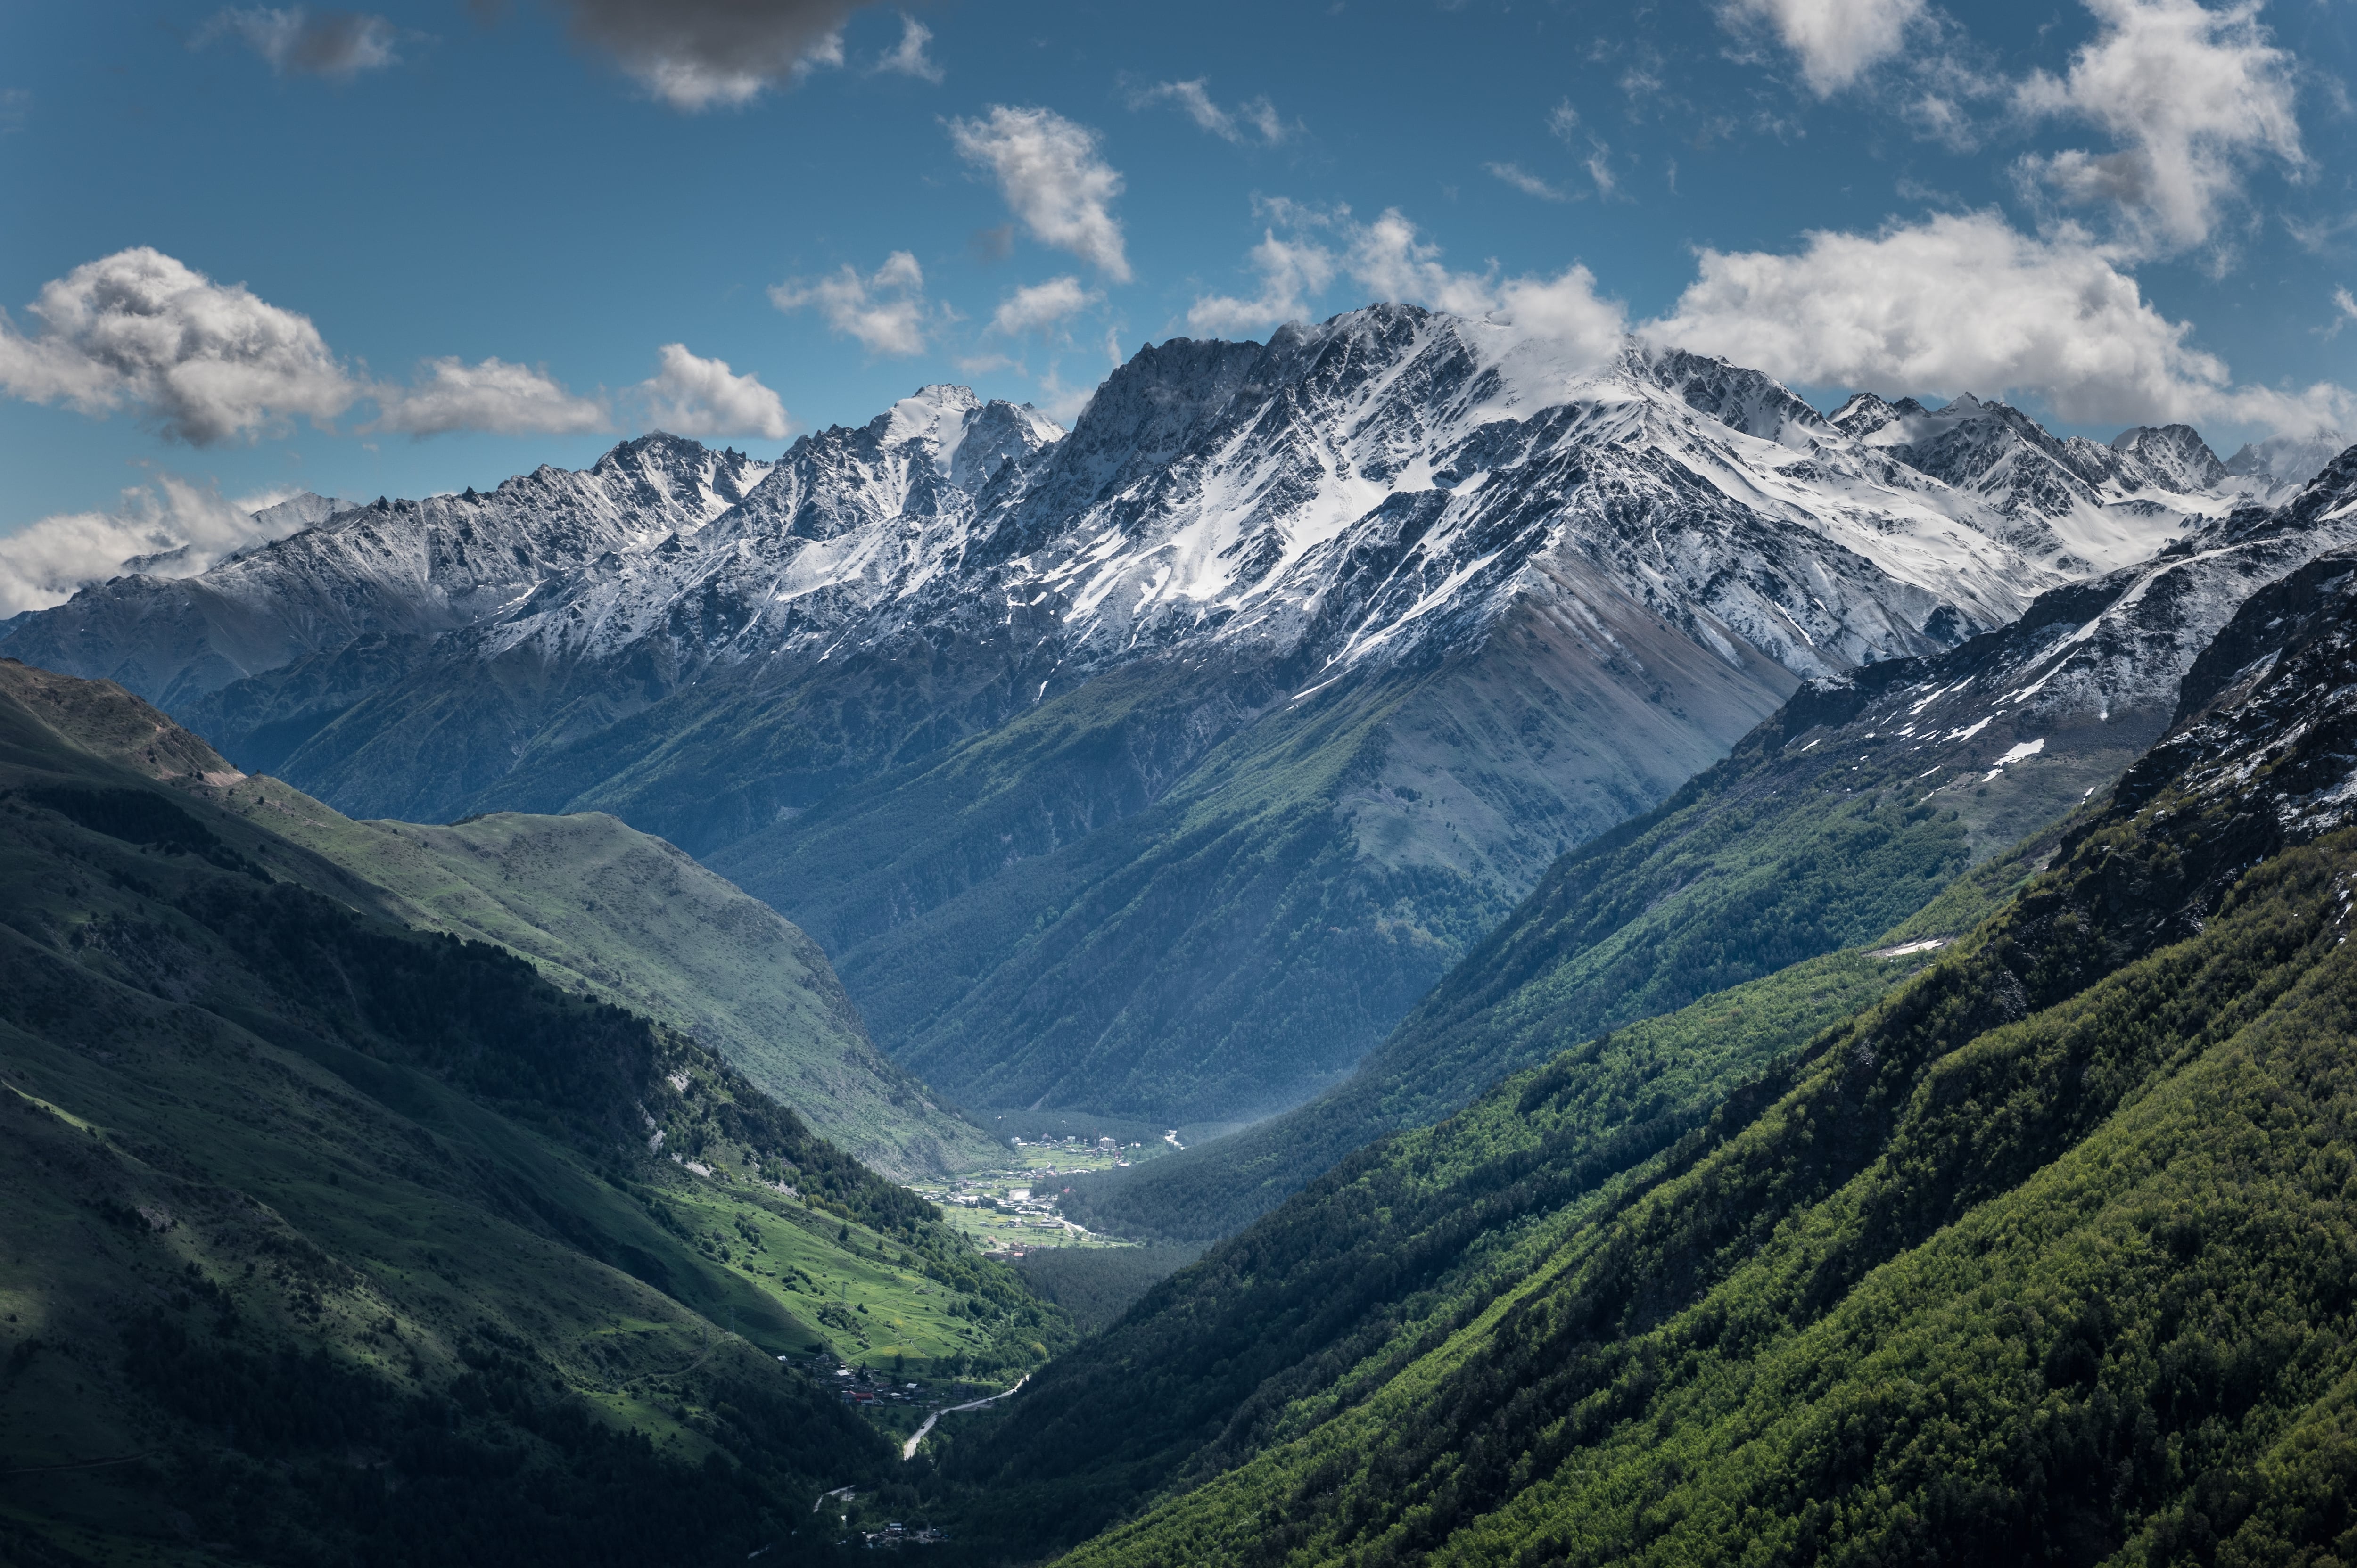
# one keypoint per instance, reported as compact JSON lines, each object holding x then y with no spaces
{"x":2344,"y":311}
{"x":1835,"y":42}
{"x":1255,"y":119}
{"x":886,"y":311}
{"x":1527,"y":183}
{"x":2191,"y":96}
{"x":492,"y":395}
{"x":907,"y":58}
{"x":173,"y":526}
{"x":303,"y":42}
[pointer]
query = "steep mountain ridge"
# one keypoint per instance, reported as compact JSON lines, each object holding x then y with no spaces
{"x":1309,"y":653}
{"x":406,"y":567}
{"x":2042,"y":1256}
{"x":1855,"y":803}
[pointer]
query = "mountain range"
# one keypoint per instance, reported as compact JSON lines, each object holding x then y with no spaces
{"x":2028,"y":1245}
{"x":1791,"y":968}
{"x":1158,"y":767}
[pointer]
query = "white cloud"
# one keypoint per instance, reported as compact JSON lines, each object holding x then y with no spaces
{"x":1967,"y":302}
{"x":1041,"y":306}
{"x":1292,"y":272}
{"x":330,"y":43}
{"x":1836,"y":41}
{"x":494,"y":395}
{"x":1563,"y":118}
{"x":1054,"y":180}
{"x":2192,"y":96}
{"x":696,"y":53}
{"x":1529,"y":184}
{"x":690,"y":396}
{"x":886,"y":311}
{"x":1390,"y":261}
{"x":1255,"y":117}
{"x":2344,"y":308}
{"x":909,"y":57}
{"x":205,"y":360}
{"x":191,"y":525}
{"x":1061,"y":402}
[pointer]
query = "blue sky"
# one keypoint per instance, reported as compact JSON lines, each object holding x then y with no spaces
{"x":429,"y":245}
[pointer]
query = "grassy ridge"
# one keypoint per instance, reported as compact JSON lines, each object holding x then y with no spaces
{"x":601,"y":908}
{"x":335,"y":1240}
{"x":1334,"y":1291}
{"x":1743,"y":874}
{"x":2045,"y":1256}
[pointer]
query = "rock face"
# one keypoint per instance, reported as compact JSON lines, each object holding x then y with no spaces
{"x":1831,"y":823}
{"x":1293,"y":663}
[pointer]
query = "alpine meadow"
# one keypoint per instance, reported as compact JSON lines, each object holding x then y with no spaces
{"x":1302,"y":786}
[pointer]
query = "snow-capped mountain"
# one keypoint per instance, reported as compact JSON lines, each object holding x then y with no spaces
{"x":1407,"y":601}
{"x":416,"y":567}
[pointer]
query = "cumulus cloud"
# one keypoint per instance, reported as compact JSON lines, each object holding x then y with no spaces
{"x":1390,"y":259}
{"x":305,"y":42}
{"x":1529,"y":184}
{"x":886,"y":311}
{"x":1967,"y":303}
{"x":1055,"y":180}
{"x":204,"y":361}
{"x":1835,"y":41}
{"x":2192,"y":96}
{"x":494,"y":395}
{"x":691,"y":396}
{"x":1292,"y":272}
{"x":699,"y":54}
{"x":907,"y":57}
{"x":1043,"y":305}
{"x":173,"y":527}
{"x":1253,"y":118}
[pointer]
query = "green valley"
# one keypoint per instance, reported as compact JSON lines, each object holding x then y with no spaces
{"x":327,"y":1231}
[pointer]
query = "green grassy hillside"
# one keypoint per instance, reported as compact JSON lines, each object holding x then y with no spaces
{"x":2046,"y":1255}
{"x":1792,"y":847}
{"x":334,"y":1241}
{"x":602,"y":908}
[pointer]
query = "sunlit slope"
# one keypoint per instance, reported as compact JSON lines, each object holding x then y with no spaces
{"x":1337,"y":1289}
{"x":322,"y":1230}
{"x":2045,"y":1256}
{"x":1855,"y":802}
{"x":600,"y":906}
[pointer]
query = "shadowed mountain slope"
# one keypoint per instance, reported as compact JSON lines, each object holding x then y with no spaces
{"x":1854,"y":805}
{"x":2043,"y":1255}
{"x":331,"y":1240}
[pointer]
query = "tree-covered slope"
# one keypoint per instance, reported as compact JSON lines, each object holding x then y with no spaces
{"x":1839,"y":815}
{"x":2045,"y":1256}
{"x":334,"y":1241}
{"x":1401,"y":1240}
{"x":597,"y":907}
